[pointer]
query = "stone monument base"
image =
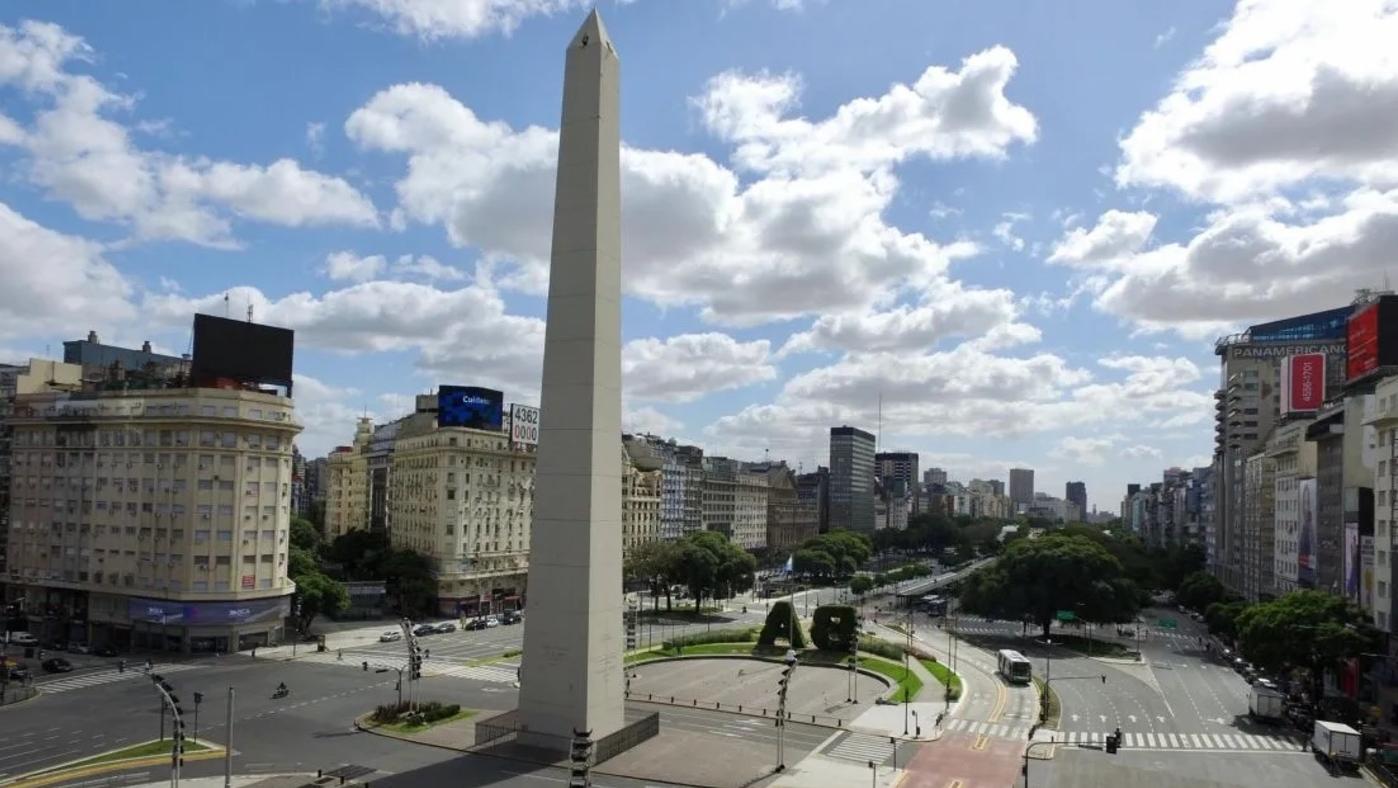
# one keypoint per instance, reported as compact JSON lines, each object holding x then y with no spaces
{"x":503,"y":734}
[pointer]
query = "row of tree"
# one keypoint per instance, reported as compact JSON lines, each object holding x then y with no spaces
{"x":831,"y":555}
{"x":705,"y":563}
{"x":319,"y":569}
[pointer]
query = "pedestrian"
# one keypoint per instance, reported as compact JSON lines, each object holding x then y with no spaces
{"x":121,"y":666}
{"x":254,"y":652}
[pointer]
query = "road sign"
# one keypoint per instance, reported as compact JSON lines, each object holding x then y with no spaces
{"x":1166,"y":623}
{"x":1067,"y":615}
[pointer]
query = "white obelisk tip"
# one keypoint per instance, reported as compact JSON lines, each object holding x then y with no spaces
{"x":592,"y":32}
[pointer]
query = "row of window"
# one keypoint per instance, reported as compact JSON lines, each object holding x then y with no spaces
{"x":136,"y":438}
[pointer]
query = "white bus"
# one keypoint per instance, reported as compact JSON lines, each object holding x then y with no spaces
{"x":1014,"y":667}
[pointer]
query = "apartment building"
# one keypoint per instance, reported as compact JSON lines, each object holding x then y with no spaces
{"x":642,"y":483}
{"x":1259,"y":526}
{"x":1294,"y":459}
{"x":155,"y":518}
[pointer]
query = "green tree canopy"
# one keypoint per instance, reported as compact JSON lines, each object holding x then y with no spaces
{"x":859,"y":585}
{"x":304,"y":534}
{"x":1035,"y":578}
{"x":813,"y":562}
{"x":1222,"y":618}
{"x":1305,"y":629}
{"x":409,"y":577}
{"x":653,"y":563}
{"x":709,"y":565}
{"x":1199,"y":590}
{"x":317,"y":594}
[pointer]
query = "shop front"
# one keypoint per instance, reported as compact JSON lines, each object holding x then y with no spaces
{"x":206,"y":627}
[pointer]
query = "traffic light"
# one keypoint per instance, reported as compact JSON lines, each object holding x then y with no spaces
{"x":631,"y":629}
{"x":784,"y":682}
{"x":1112,"y":743}
{"x":415,"y":663}
{"x":580,"y":758}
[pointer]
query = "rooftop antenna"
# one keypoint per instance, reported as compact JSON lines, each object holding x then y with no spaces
{"x":225,"y":305}
{"x":878,"y":433}
{"x":249,"y":311}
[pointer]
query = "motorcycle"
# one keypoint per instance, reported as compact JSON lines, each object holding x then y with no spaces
{"x":280,"y":692}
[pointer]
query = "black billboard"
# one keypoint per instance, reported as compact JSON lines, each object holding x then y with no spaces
{"x":470,"y":406}
{"x":242,"y":351}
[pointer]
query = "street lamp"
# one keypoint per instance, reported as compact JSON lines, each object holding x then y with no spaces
{"x":1024,"y":770}
{"x":783,"y":684}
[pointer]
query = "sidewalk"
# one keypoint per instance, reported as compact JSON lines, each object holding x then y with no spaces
{"x":818,"y":771}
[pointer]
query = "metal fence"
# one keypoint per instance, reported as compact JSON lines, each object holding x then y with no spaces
{"x":624,"y":739}
{"x":736,"y":708}
{"x":497,"y":728}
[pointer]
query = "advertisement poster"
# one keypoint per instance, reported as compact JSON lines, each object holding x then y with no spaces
{"x":1366,"y":572}
{"x":1305,"y":540}
{"x":1363,"y":344}
{"x":1351,"y":561}
{"x":470,"y":407}
{"x":1303,"y":383}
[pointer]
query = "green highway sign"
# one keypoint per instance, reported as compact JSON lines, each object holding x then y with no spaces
{"x":1066,"y":615}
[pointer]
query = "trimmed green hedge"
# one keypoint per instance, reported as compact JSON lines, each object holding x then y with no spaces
{"x":833,"y":628}
{"x":780,"y":621}
{"x":883,"y":648}
{"x":430,"y":711}
{"x":747,"y":635}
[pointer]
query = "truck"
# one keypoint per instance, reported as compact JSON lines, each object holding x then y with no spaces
{"x":1336,"y":743}
{"x":1266,"y":704}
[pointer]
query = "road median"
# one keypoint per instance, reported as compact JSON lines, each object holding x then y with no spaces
{"x":151,"y":753}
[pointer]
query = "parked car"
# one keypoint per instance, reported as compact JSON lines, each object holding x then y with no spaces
{"x":23,"y":639}
{"x":56,"y":665}
{"x":512,"y":617}
{"x":390,"y":635}
{"x":475,"y":624}
{"x":444,"y":627}
{"x":424,"y":629}
{"x":19,"y":673}
{"x":492,"y":621}
{"x":79,"y":648}
{"x":105,"y":651}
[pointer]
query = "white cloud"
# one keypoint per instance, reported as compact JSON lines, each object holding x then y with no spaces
{"x":1141,"y":452}
{"x":1289,"y":91}
{"x":1084,"y":451}
{"x":785,"y":245}
{"x":685,"y":367}
{"x":54,"y":282}
{"x":438,"y":19}
{"x":78,"y":154}
{"x":315,"y":138}
{"x":649,"y":420}
{"x":1164,"y":38}
{"x":427,"y":267}
{"x":941,"y":210}
{"x":1248,"y":264}
{"x":328,"y":414}
{"x":1004,"y":230}
{"x":341,"y":266}
{"x":942,"y":115}
{"x":1118,"y":234}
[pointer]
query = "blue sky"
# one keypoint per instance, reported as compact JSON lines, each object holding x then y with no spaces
{"x":1019,"y":225}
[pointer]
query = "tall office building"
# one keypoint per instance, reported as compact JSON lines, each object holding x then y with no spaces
{"x":933,"y":476}
{"x":1076,"y":492}
{"x":851,"y":479}
{"x":897,"y":473}
{"x":1022,"y":487}
{"x":9,"y":374}
{"x":813,"y":490}
{"x":1247,"y":406}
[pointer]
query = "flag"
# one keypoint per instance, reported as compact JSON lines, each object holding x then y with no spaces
{"x":789,"y":564}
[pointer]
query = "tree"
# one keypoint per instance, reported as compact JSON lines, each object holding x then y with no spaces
{"x":408,"y":577}
{"x":653,"y":563}
{"x":834,"y":628}
{"x":304,"y":534}
{"x":1200,"y":590}
{"x":699,"y":569}
{"x":1222,"y":618}
{"x":317,"y":594}
{"x":782,"y":623}
{"x":1305,"y":629}
{"x":1034,"y":579}
{"x":813,"y":562}
{"x":300,"y":562}
{"x":360,"y":554}
{"x":859,"y":585}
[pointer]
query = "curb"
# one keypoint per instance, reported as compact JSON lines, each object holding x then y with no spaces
{"x":64,"y":772}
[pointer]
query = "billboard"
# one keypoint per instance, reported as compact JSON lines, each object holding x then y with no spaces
{"x":241,"y":351}
{"x":156,"y":611}
{"x":1372,"y":338}
{"x":1351,"y":561}
{"x":524,"y":425}
{"x":469,"y":406}
{"x":1303,"y":383}
{"x":1306,"y":539}
{"x":1366,"y":572}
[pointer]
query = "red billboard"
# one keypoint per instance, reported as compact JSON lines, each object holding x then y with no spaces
{"x":1303,"y":383}
{"x":1363,"y":342}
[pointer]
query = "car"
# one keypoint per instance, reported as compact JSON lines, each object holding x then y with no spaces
{"x":105,"y":651}
{"x":475,"y":624}
{"x":512,"y":617}
{"x":424,"y":629}
{"x":390,"y":636}
{"x":56,"y":665}
{"x":19,"y":673}
{"x":492,"y":621}
{"x":23,"y":639}
{"x":444,"y":627}
{"x":79,"y":648}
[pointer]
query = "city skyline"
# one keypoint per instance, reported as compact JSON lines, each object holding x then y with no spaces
{"x":379,"y":181}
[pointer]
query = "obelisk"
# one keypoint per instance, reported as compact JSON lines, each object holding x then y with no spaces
{"x":571,"y":676}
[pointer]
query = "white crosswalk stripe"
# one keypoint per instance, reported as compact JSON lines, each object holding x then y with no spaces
{"x":1001,"y":730}
{"x":499,"y":673}
{"x":862,"y":747}
{"x":1256,"y":742}
{"x":107,"y":677}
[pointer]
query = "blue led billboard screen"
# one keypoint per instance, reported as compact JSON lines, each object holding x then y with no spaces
{"x":469,"y":406}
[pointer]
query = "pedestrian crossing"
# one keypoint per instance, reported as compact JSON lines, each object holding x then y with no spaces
{"x":1000,"y":730}
{"x":107,"y":677}
{"x":497,"y":673}
{"x":863,"y":747}
{"x":1191,"y":741}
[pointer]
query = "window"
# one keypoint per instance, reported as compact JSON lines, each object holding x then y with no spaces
{"x":228,"y":440}
{"x":225,"y":536}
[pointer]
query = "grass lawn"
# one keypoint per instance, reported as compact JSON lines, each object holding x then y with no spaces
{"x":137,"y":751}
{"x":907,"y":682}
{"x":1093,"y":647}
{"x":403,"y":727}
{"x":943,"y":674}
{"x":1048,"y":704}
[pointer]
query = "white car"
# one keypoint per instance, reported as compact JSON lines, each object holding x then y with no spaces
{"x":492,"y":621}
{"x":390,"y":636}
{"x":23,"y":639}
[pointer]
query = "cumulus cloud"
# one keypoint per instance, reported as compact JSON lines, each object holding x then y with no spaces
{"x":649,"y":420}
{"x":685,"y":367}
{"x":804,"y":237}
{"x":1287,"y":92}
{"x":1004,"y":230}
{"x":77,"y":153}
{"x":1142,"y":452}
{"x":327,"y":413}
{"x":1118,"y":235}
{"x":1084,"y":451}
{"x":53,"y":282}
{"x":350,"y":266}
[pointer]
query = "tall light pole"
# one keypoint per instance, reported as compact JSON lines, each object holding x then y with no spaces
{"x":907,"y":653}
{"x":783,"y":684}
{"x":1024,"y":770}
{"x":228,"y":746}
{"x":168,"y":698}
